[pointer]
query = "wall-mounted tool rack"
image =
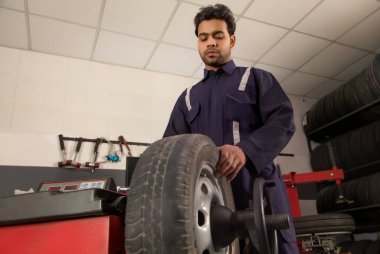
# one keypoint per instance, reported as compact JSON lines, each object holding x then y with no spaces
{"x":112,"y":156}
{"x":104,"y":141}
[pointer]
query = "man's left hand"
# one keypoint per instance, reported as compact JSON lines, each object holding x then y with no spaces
{"x":231,"y":160}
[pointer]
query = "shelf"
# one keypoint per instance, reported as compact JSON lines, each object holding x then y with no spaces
{"x":366,"y":169}
{"x":358,"y":209}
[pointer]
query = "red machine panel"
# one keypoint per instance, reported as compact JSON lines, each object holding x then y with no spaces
{"x":98,"y":235}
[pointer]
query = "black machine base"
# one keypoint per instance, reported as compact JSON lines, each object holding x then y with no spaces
{"x":48,"y":206}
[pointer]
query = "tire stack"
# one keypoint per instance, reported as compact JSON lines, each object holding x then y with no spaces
{"x":350,"y":142}
{"x":351,"y":150}
{"x":361,"y":192}
{"x":355,"y":141}
{"x":360,"y":247}
{"x":356,"y":93}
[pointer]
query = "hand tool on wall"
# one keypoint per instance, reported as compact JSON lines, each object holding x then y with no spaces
{"x":94,"y":165}
{"x":64,"y":162}
{"x":122,"y":142}
{"x":74,"y":163}
{"x":112,"y":156}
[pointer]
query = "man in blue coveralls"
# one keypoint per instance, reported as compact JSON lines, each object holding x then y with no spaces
{"x":243,"y":110}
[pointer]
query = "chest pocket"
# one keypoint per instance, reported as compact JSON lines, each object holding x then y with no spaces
{"x":240,"y":106}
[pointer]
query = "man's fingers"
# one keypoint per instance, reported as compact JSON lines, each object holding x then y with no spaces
{"x":229,"y":166}
{"x":231,"y":160}
{"x":231,"y":176}
{"x":222,"y":158}
{"x":225,"y":167}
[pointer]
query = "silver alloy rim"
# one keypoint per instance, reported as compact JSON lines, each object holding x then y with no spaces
{"x":207,"y":192}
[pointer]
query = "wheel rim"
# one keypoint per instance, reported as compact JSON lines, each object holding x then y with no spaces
{"x":207,"y":192}
{"x":267,"y":239}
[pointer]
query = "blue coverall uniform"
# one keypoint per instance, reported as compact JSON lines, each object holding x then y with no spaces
{"x":245,"y":107}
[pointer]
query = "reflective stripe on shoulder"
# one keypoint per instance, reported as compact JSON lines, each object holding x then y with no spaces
{"x":235,"y":132}
{"x":244,"y":79}
{"x":187,"y":98}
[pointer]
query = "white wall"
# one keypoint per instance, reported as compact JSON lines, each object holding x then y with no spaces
{"x":298,"y":144}
{"x":44,"y":95}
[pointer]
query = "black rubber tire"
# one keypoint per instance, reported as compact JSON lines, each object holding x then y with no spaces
{"x":351,"y":150}
{"x":354,"y":94}
{"x":359,"y":247}
{"x":344,"y":246}
{"x":373,"y":248}
{"x":160,"y":214}
{"x":324,"y":223}
{"x":363,"y":191}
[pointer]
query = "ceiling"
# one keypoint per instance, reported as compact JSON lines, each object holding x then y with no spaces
{"x":312,"y":47}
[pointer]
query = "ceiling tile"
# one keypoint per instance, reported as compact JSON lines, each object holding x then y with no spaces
{"x":122,"y":49}
{"x":301,"y":83}
{"x":334,"y":17}
{"x":84,"y":12}
{"x":366,"y":35}
{"x":175,"y":60}
{"x":294,"y":50}
{"x":325,"y":89}
{"x":236,"y":6}
{"x":13,"y":4}
{"x":279,"y":73}
{"x":13,"y":29}
{"x":243,"y":63}
{"x":253,"y":44}
{"x":61,"y":38}
{"x":286,"y":13}
{"x":143,"y":18}
{"x":356,"y":68}
{"x":332,"y":60}
{"x":181,"y":28}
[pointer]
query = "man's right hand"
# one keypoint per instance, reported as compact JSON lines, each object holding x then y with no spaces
{"x":231,"y":160}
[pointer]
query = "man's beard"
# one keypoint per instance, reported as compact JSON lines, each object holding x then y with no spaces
{"x":214,"y":62}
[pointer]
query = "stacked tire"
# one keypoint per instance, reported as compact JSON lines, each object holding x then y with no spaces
{"x":346,"y":123}
{"x":361,"y":192}
{"x":360,"y":247}
{"x":324,"y":223}
{"x":351,"y":150}
{"x":356,"y":93}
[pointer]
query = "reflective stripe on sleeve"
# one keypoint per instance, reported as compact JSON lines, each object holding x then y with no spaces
{"x":187,"y":98}
{"x":244,"y":79}
{"x":235,"y":132}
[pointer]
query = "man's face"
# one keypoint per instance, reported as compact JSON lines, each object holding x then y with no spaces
{"x":214,"y":43}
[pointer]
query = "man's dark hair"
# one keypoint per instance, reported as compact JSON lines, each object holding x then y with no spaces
{"x":217,"y":11}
